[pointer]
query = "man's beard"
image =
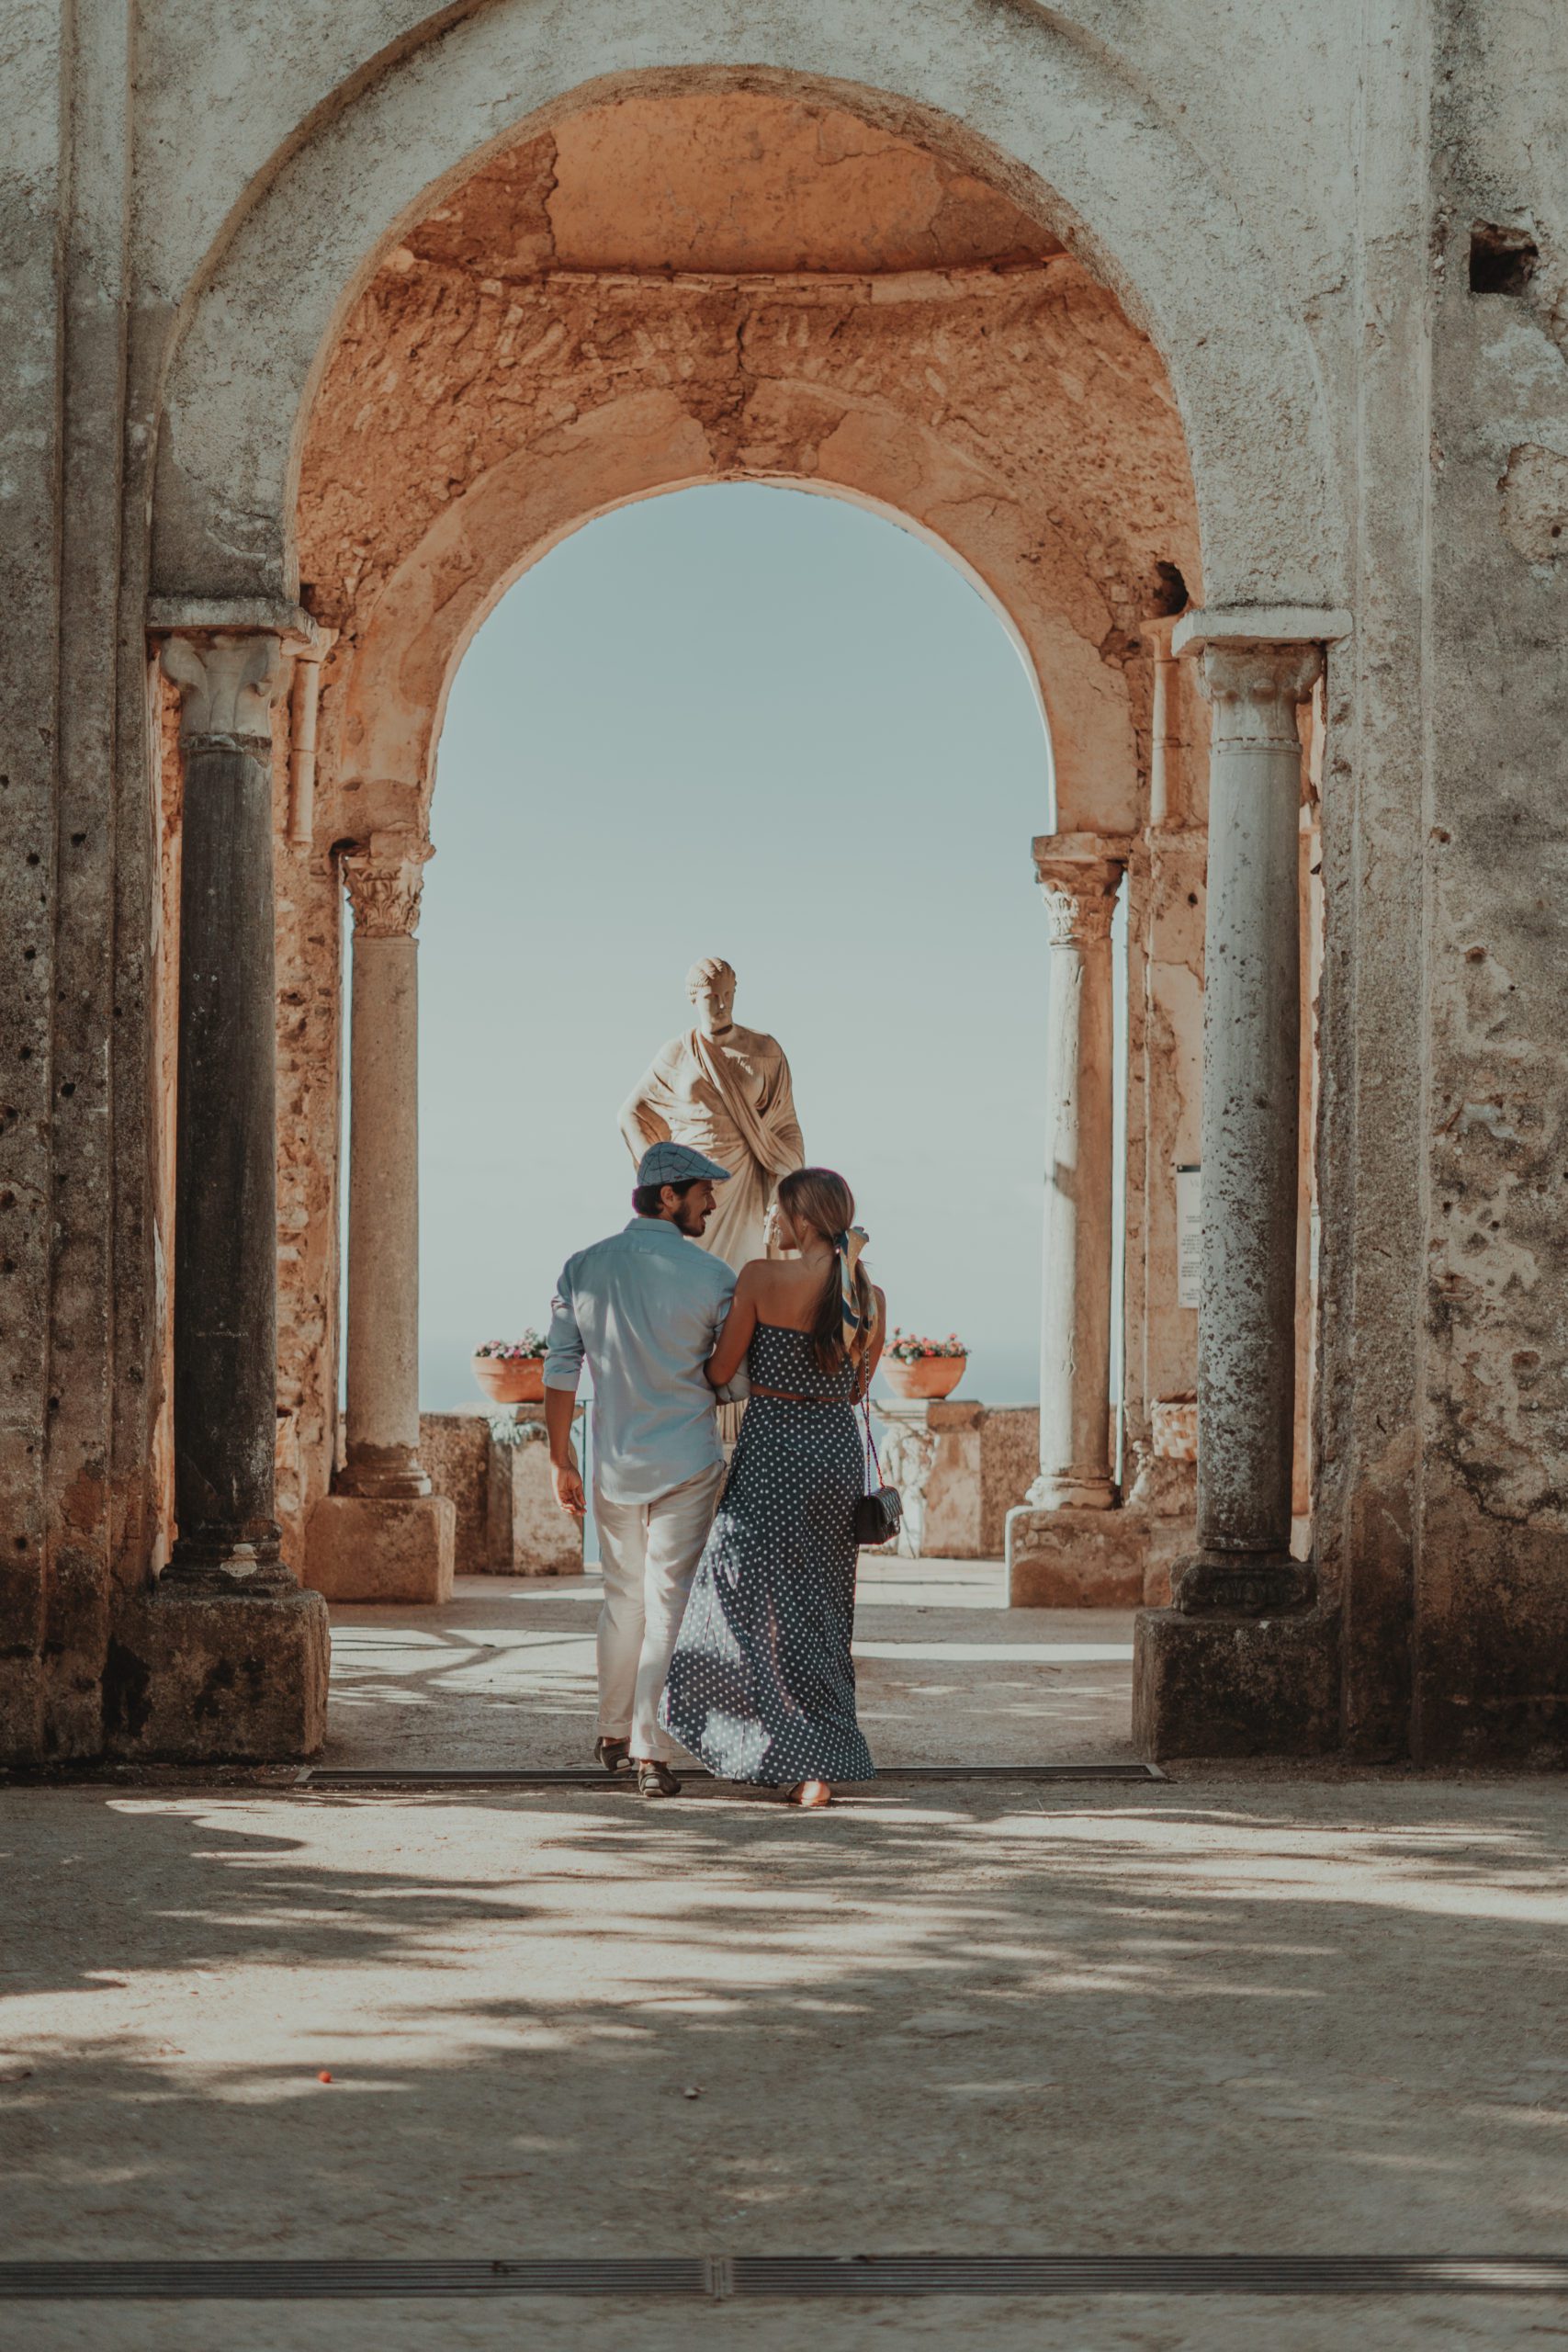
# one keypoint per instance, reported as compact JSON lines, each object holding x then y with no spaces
{"x":690,"y":1221}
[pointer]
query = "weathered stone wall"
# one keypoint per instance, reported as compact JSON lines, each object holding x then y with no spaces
{"x":1491,"y":1584}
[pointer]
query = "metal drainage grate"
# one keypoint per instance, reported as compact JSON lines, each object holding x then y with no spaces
{"x":452,"y":1776}
{"x":789,"y":2277}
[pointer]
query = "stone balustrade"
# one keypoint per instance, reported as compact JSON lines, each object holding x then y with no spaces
{"x":507,"y":1518}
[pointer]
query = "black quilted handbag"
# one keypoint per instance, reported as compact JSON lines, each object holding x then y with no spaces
{"x":879,"y":1513}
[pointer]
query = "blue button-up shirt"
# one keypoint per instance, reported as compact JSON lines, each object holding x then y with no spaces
{"x":644,"y":1307}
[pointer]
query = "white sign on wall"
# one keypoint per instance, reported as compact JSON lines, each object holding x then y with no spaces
{"x":1188,"y":1235}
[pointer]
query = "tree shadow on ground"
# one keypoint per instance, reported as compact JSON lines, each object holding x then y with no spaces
{"x":1318,"y":2020}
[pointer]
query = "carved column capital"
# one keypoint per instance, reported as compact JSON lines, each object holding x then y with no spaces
{"x":384,"y":877}
{"x":1256,"y":690}
{"x":228,"y":683}
{"x":1079,"y":874}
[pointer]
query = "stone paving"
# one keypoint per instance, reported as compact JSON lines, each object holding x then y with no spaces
{"x":504,"y":1674}
{"x":1237,"y":2011}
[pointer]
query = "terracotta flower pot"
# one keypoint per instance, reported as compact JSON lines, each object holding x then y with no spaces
{"x":926,"y":1376}
{"x":510,"y":1380}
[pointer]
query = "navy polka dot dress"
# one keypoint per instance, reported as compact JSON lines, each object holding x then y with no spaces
{"x":762,"y":1685}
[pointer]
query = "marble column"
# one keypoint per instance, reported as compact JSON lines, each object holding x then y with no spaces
{"x":384,"y":881}
{"x":381,"y":1535}
{"x":1067,"y":1546}
{"x":1243,"y":1664}
{"x":1247,"y":1339}
{"x":225,"y":1296}
{"x":1078,"y":877}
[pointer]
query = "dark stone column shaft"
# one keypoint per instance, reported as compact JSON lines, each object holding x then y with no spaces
{"x":225,"y":1302}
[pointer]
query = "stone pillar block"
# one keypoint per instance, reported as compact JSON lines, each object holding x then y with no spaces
{"x":529,"y":1534}
{"x":1010,"y":1463}
{"x":218,"y":1678}
{"x":960,"y":1466}
{"x":382,"y":1548}
{"x":1233,"y":1685}
{"x":455,"y":1450}
{"x":1076,"y":1559}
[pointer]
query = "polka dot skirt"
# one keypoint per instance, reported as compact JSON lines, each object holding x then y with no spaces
{"x":762,"y":1685}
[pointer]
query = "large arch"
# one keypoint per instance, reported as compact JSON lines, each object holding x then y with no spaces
{"x":388,"y":730}
{"x":1056,"y":116}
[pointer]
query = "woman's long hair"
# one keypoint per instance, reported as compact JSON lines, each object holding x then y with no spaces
{"x":820,"y":1198}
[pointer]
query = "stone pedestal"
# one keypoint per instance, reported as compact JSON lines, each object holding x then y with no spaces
{"x":529,"y":1534}
{"x":382,"y":1548}
{"x":960,"y":1466}
{"x":1076,"y":1559}
{"x":1234,"y":1685}
{"x":455,"y":1450}
{"x":217,"y":1678}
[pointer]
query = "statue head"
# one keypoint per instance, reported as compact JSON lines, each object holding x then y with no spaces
{"x":710,"y":984}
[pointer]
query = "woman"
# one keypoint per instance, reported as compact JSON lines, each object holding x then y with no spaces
{"x":761,"y":1686}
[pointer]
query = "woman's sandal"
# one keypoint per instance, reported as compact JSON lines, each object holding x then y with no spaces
{"x":611,"y":1753}
{"x":811,"y":1794}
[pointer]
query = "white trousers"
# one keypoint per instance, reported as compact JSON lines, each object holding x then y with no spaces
{"x":648,"y":1554}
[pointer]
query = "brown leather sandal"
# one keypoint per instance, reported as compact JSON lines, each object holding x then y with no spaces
{"x":611,"y":1753}
{"x":656,"y":1780}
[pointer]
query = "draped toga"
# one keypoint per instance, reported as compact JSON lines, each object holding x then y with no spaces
{"x":731,"y":1098}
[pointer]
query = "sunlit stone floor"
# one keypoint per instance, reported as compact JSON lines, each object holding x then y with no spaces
{"x":1237,"y":2011}
{"x":503,"y":1673}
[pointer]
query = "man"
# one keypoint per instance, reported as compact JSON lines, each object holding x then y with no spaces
{"x":644,"y":1307}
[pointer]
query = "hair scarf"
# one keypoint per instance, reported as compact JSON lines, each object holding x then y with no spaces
{"x":856,"y":1326}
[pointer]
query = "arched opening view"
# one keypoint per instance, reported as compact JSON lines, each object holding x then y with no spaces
{"x":707,"y":301}
{"x":681,"y":731}
{"x":772,"y":724}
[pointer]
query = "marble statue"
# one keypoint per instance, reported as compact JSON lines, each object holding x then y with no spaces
{"x":726,"y":1091}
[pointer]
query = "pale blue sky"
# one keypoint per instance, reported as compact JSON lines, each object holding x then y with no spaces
{"x":759,"y":724}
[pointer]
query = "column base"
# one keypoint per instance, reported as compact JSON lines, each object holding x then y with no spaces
{"x":1059,"y":1490}
{"x":1241,"y":1584}
{"x":219,"y":1560}
{"x":1234,"y":1685}
{"x":202,"y":1677}
{"x":383,"y":1474}
{"x":359,"y":1547}
{"x":1076,"y":1559}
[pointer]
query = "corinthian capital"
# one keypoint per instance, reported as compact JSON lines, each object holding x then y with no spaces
{"x":227,"y":685}
{"x":384,"y":877}
{"x":1079,"y":874}
{"x":1256,"y":690}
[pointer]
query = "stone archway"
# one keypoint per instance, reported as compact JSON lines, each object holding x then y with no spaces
{"x":1030,"y":102}
{"x":224,"y":524}
{"x":514,"y":370}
